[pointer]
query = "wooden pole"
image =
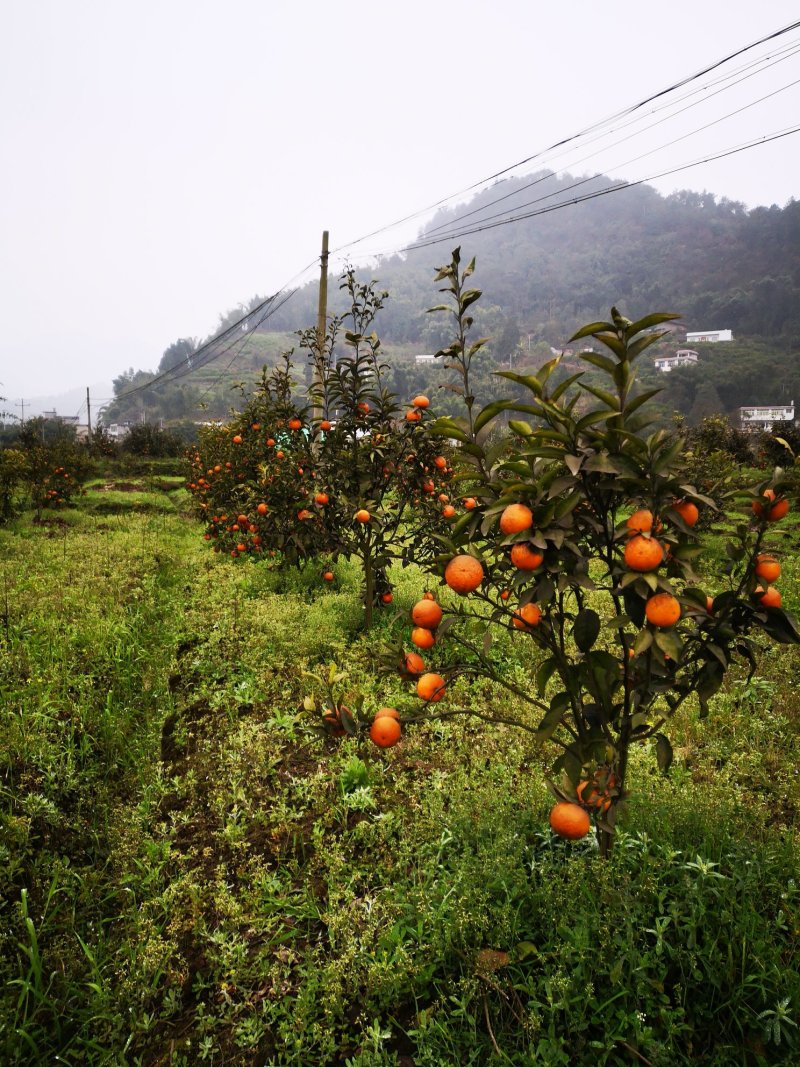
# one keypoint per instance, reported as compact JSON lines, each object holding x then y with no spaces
{"x":322,"y":312}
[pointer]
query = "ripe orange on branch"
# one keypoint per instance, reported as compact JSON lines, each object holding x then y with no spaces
{"x":516,"y":518}
{"x":464,"y":574}
{"x":662,"y":610}
{"x":767,"y":567}
{"x":768,"y":598}
{"x":569,"y":820}
{"x":422,"y":637}
{"x":420,"y":401}
{"x":526,"y":558}
{"x":414,"y":663}
{"x":687,"y":510}
{"x":643,"y":553}
{"x":362,"y":515}
{"x":426,"y":613}
{"x":385,"y":731}
{"x":527,"y":617}
{"x":431,"y":687}
{"x":773,"y":513}
{"x":640,"y":522}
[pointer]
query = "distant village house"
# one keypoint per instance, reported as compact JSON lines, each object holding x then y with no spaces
{"x":708,"y":335}
{"x":683,"y":357}
{"x":755,"y":419}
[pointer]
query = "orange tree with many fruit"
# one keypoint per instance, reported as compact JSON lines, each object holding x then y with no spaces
{"x":583,"y":544}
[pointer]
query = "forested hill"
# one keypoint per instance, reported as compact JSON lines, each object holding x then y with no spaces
{"x":713,"y":261}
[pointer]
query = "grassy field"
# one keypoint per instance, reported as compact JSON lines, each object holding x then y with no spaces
{"x":189,"y":874}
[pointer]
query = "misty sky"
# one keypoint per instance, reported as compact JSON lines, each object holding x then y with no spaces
{"x":165,"y":161}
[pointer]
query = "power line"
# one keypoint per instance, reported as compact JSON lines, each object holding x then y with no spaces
{"x":574,"y":137}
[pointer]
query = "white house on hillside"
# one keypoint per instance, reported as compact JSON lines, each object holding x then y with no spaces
{"x":681,"y":358}
{"x":709,"y":335}
{"x":753,"y":418}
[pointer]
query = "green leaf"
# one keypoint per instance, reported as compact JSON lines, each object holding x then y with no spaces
{"x":781,"y":626}
{"x":529,"y":380}
{"x":669,"y":643}
{"x":524,"y":429}
{"x":644,"y":640}
{"x":598,"y":360}
{"x":489,"y":412}
{"x":663,"y":753}
{"x":602,"y":394}
{"x":651,"y":320}
{"x":549,"y":724}
{"x":585,"y":629}
{"x":544,"y":673}
{"x":601,"y":463}
{"x":591,"y":330}
{"x":637,"y":401}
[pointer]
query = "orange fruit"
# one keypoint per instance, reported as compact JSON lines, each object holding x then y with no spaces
{"x":322,"y":499}
{"x":422,"y":637}
{"x":391,"y":713}
{"x":569,"y":820}
{"x":428,"y":595}
{"x":362,"y":515}
{"x":420,"y":401}
{"x":431,"y":687}
{"x":385,"y":731}
{"x":505,"y":594}
{"x":527,"y":617}
{"x":243,"y":520}
{"x":426,"y":613}
{"x":304,"y":514}
{"x":262,"y":508}
{"x":767,"y":567}
{"x":414,"y":663}
{"x":440,"y":462}
{"x":413,"y":416}
{"x":662,"y":610}
{"x":325,"y":425}
{"x":270,"y":442}
{"x":526,"y":558}
{"x":470,"y":503}
{"x":237,"y":439}
{"x":328,"y":576}
{"x":387,"y":598}
{"x":767,"y":598}
{"x":516,"y":518}
{"x":363,"y":407}
{"x":640,"y":522}
{"x":643,"y":553}
{"x":687,"y":510}
{"x":777,"y":511}
{"x":294,"y":424}
{"x":448,"y":511}
{"x":464,"y":574}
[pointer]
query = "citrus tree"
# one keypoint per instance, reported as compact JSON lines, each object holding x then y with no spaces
{"x":253,"y":479}
{"x":583,"y":544}
{"x":384,"y":473}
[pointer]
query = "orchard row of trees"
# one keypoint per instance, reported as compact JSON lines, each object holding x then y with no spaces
{"x":577,"y":529}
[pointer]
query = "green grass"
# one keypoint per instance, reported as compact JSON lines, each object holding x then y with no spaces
{"x":190,"y":874}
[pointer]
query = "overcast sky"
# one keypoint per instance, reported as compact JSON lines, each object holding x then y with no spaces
{"x":165,"y":160}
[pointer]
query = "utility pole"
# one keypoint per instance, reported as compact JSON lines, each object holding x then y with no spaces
{"x":21,"y":404}
{"x":322,"y":311}
{"x":88,"y":412}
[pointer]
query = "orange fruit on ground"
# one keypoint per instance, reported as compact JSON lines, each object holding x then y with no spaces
{"x":643,"y":553}
{"x":431,"y":687}
{"x":385,"y":731}
{"x":322,"y":499}
{"x":262,"y":508}
{"x":325,"y":425}
{"x":391,"y":713}
{"x":526,"y":558}
{"x":767,"y":598}
{"x":464,"y":574}
{"x":294,"y":424}
{"x":426,"y":613}
{"x":662,"y":610}
{"x":414,"y":663}
{"x":448,"y":511}
{"x":767,"y":567}
{"x":362,"y":515}
{"x":413,"y":416}
{"x":516,"y":518}
{"x":777,"y":511}
{"x":640,"y":522}
{"x":422,"y":637}
{"x":328,"y":576}
{"x":569,"y":820}
{"x":527,"y":617}
{"x":470,"y":503}
{"x":420,"y":401}
{"x":687,"y":510}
